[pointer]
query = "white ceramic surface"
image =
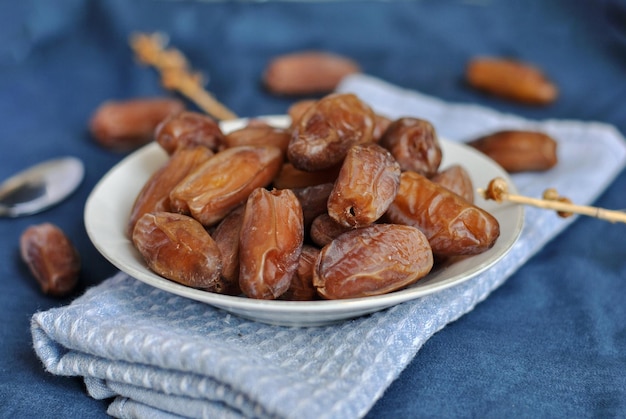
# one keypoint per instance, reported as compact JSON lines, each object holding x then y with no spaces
{"x":109,"y":204}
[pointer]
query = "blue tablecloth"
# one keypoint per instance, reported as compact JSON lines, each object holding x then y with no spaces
{"x":550,"y":341}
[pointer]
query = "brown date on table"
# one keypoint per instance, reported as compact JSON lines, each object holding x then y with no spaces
{"x":51,"y":258}
{"x":510,"y":79}
{"x":372,"y":260}
{"x":519,"y":150}
{"x":128,"y":124}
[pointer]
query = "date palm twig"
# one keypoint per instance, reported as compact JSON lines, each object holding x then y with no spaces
{"x":497,"y":190}
{"x":150,"y":49}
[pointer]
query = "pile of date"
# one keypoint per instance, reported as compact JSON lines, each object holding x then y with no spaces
{"x":343,"y":203}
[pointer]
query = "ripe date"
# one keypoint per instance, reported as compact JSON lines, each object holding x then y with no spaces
{"x":452,"y":225}
{"x":270,"y":243}
{"x":372,"y":260}
{"x":327,"y":129}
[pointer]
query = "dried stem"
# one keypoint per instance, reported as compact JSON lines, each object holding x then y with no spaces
{"x":176,"y":74}
{"x":498,"y":191}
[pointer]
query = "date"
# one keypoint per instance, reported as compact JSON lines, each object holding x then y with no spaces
{"x":224,"y":182}
{"x":328,"y":129}
{"x":226,"y":236}
{"x":452,"y":225}
{"x":155,"y":194}
{"x":373,"y":260}
{"x":301,"y":287}
{"x":512,"y":80}
{"x":519,"y":150}
{"x":51,"y":258}
{"x":260,"y":134}
{"x":188,"y":130}
{"x":270,"y":243}
{"x":456,"y":179}
{"x":178,"y":248}
{"x":414,"y":144}
{"x":128,"y":124}
{"x":307,"y":72}
{"x":366,"y":186}
{"x":324,"y":229}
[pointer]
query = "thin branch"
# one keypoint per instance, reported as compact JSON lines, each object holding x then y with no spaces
{"x":498,"y":191}
{"x":176,"y":74}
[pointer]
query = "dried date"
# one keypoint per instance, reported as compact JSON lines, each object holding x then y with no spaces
{"x":328,"y":129}
{"x":456,"y":179}
{"x":128,"y":124}
{"x":324,"y":229}
{"x":307,"y":72}
{"x":413,"y":142}
{"x":226,"y":236}
{"x":511,"y":79}
{"x":178,"y":248}
{"x":259,"y":134}
{"x":271,"y":239}
{"x":301,"y":287}
{"x":155,"y":194}
{"x":452,"y":225}
{"x":519,"y":150}
{"x":313,"y":200}
{"x":187,"y":130}
{"x":366,"y":186}
{"x":51,"y":258}
{"x":371,"y":261}
{"x":290,"y":178}
{"x":224,"y":182}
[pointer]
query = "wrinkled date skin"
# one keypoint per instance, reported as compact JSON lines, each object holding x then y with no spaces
{"x":456,"y":179}
{"x":366,"y":186}
{"x":178,"y":248}
{"x":187,"y":130}
{"x":513,"y":80}
{"x":452,"y":225}
{"x":297,"y":109}
{"x":371,"y":261}
{"x":224,"y":181}
{"x":301,"y":287}
{"x":414,"y":144}
{"x":313,"y":200}
{"x":325,"y":229}
{"x":259,"y":134}
{"x":128,"y":124}
{"x":155,"y":194}
{"x":270,"y":243}
{"x":291,"y":178}
{"x":328,"y":129}
{"x":226,"y":236}
{"x":51,"y":258}
{"x":518,"y":150}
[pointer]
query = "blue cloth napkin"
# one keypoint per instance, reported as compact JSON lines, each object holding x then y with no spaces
{"x":160,"y":355}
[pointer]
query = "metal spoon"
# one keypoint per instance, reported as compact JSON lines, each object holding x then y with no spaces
{"x":40,"y":186}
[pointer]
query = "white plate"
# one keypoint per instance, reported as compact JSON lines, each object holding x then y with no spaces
{"x":108,"y":207}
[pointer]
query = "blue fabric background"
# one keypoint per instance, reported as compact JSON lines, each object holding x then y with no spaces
{"x":550,"y":342}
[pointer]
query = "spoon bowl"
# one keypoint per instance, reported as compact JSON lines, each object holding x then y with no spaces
{"x":41,"y":186}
